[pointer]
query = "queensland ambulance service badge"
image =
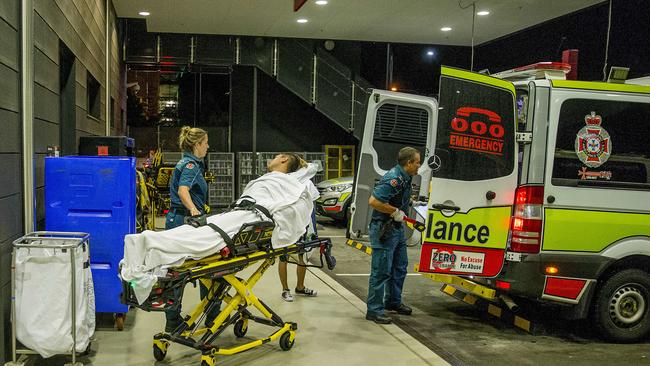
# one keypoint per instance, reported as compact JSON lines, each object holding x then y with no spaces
{"x":593,"y":144}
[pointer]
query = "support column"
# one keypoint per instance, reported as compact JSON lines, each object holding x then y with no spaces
{"x":27,"y":109}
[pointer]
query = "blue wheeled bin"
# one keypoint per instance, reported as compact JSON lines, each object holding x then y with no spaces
{"x":95,"y":194}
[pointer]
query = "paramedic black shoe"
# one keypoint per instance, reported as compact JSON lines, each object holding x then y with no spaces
{"x":307,"y":292}
{"x":379,"y":319}
{"x":401,"y":309}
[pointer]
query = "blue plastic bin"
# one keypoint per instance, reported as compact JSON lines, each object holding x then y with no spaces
{"x":94,"y":195}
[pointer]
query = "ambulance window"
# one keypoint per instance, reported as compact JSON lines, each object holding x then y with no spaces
{"x":522,"y":108}
{"x":602,"y":143}
{"x":475,"y":133}
{"x":397,"y":126}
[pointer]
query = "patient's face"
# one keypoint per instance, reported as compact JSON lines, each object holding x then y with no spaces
{"x":277,"y":163}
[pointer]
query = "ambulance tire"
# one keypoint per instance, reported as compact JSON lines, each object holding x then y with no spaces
{"x":622,"y":306}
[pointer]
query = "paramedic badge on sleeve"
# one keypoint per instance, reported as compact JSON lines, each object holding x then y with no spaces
{"x":593,"y":144}
{"x":190,"y":166}
{"x":393,"y":182}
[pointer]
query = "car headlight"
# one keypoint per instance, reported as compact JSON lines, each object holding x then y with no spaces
{"x":340,"y":187}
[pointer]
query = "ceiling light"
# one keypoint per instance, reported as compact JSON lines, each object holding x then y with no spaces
{"x":483,"y":12}
{"x":321,"y":2}
{"x":445,"y":29}
{"x":302,"y":20}
{"x":144,"y":13}
{"x":430,"y":53}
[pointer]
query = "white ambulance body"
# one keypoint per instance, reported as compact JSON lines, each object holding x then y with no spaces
{"x":541,"y":187}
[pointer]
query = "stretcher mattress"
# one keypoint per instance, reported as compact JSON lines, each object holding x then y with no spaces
{"x":288,"y":197}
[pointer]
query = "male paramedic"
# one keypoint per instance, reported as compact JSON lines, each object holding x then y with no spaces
{"x":389,"y":200}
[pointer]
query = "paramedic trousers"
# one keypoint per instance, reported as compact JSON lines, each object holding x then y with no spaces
{"x":388,"y":268}
{"x":173,"y":312}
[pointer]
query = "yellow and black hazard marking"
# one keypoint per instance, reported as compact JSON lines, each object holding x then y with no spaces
{"x":488,"y":307}
{"x":360,"y":246}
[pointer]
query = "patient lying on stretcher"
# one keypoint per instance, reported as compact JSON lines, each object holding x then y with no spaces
{"x":286,"y":192}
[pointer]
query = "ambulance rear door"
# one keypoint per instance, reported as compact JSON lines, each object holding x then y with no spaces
{"x":393,"y":120}
{"x":472,"y":190}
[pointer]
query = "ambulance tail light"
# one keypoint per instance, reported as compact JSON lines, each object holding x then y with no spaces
{"x":526,"y":223}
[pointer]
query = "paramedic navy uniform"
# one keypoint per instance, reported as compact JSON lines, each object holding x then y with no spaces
{"x":389,"y":258}
{"x":188,"y":172}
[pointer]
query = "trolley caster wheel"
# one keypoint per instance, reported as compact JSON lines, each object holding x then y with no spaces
{"x":286,"y":342}
{"x":208,"y":360}
{"x":119,"y":321}
{"x":241,"y":328}
{"x":160,"y":349}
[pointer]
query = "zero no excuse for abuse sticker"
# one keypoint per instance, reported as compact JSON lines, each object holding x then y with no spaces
{"x":457,"y":261}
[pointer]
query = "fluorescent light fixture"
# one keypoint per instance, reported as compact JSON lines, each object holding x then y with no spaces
{"x":483,"y":13}
{"x":302,"y":20}
{"x":321,"y":2}
{"x":430,"y":53}
{"x":144,"y":13}
{"x":445,"y":29}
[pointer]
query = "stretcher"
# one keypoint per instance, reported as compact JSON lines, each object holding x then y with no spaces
{"x":250,"y":246}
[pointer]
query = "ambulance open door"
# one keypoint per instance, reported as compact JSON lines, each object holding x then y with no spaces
{"x":472,"y":192}
{"x":393,"y":121}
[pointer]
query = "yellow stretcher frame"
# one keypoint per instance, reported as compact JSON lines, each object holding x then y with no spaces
{"x":219,"y":277}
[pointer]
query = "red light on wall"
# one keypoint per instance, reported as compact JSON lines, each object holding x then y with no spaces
{"x":503,"y":285}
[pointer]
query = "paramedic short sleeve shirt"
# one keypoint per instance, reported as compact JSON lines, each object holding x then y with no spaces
{"x":189,"y":173}
{"x":393,"y":188}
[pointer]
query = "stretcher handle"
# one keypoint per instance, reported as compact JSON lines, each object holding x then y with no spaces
{"x":414,"y":224}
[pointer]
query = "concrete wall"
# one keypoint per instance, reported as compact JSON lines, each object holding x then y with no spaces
{"x":79,"y":24}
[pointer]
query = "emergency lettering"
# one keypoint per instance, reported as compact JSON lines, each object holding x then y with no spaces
{"x":486,"y":145}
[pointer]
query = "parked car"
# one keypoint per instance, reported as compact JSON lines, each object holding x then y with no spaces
{"x":335,"y":198}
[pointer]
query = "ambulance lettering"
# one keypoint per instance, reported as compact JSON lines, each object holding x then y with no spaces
{"x":477,"y":135}
{"x":454,"y":231}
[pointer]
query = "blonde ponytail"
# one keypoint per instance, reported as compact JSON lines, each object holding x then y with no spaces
{"x":190,"y":137}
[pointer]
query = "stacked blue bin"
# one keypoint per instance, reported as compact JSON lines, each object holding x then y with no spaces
{"x":94,"y":195}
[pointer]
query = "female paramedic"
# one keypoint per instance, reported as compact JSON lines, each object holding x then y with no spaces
{"x":188,"y":192}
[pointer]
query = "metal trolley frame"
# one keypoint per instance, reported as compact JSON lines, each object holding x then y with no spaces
{"x":26,"y":242}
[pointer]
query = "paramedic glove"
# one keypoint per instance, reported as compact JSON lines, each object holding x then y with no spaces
{"x":398,"y":215}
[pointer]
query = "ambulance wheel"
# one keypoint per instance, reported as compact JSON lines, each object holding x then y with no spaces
{"x":285,"y":341}
{"x":158,"y":353}
{"x":241,"y":327}
{"x":622,"y":306}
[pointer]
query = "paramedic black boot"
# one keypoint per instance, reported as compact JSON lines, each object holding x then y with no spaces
{"x":379,"y":319}
{"x":401,"y":309}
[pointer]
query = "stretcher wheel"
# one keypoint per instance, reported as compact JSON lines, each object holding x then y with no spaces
{"x":241,"y":327}
{"x":285,"y":341}
{"x":119,"y":321}
{"x":208,"y":360}
{"x":159,"y":354}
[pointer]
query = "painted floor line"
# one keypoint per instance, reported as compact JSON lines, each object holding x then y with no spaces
{"x":427,"y":355}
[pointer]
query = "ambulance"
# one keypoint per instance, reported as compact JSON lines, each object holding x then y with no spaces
{"x":537,"y":186}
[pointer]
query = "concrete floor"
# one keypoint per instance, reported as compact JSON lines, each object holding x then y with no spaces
{"x":463,"y":335}
{"x":332,"y":331}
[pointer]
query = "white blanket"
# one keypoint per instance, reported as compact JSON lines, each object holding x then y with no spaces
{"x":288,"y":197}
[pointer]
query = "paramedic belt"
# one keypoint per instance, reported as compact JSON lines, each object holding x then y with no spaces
{"x":386,"y":226}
